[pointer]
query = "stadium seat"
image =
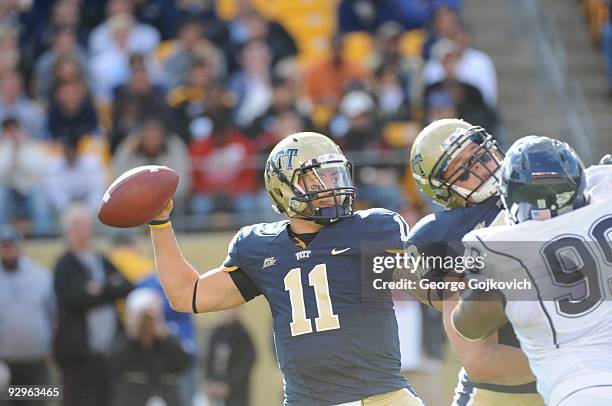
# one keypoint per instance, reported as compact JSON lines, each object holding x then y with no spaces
{"x":358,"y":46}
{"x":411,"y":42}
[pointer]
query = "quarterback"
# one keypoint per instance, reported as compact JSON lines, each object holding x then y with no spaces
{"x":457,"y":165}
{"x":561,"y":217}
{"x":333,"y":346}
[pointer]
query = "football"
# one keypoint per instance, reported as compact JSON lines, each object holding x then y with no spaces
{"x":138,"y":196}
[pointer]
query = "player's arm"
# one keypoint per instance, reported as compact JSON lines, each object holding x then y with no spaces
{"x":478,"y":314}
{"x":185,"y":289}
{"x":424,"y":296}
{"x":487,"y":361}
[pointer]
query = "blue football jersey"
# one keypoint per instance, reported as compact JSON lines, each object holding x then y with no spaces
{"x":332,"y":345}
{"x":440,"y":234}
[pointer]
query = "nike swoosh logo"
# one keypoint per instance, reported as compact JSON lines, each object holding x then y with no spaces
{"x":336,"y":252}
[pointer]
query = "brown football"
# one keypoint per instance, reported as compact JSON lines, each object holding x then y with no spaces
{"x":138,"y":196}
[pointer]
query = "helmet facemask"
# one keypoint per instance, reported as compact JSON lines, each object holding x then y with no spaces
{"x":484,"y":151}
{"x":322,"y":189}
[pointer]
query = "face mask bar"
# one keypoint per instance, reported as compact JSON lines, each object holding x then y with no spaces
{"x":340,"y":190}
{"x":486,"y":152}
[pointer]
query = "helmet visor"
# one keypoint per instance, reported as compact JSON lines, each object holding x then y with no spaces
{"x":327,"y":188}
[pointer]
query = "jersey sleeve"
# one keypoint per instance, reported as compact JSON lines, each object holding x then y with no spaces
{"x":233,"y":265}
{"x":428,"y":249}
{"x":232,"y":260}
{"x":393,"y":234}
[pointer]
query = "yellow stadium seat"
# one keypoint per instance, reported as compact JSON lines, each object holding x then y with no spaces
{"x":358,"y":46}
{"x":400,"y":134}
{"x":411,"y":42}
{"x":164,"y":49}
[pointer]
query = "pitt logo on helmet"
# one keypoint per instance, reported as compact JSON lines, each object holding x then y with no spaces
{"x":287,"y":155}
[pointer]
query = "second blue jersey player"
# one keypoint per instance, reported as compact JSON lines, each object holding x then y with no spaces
{"x":456,"y":164}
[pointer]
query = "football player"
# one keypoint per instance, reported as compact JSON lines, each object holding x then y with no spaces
{"x":457,"y":165}
{"x":559,"y":240}
{"x":332,"y":346}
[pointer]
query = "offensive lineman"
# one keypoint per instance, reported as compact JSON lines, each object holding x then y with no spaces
{"x":456,"y":164}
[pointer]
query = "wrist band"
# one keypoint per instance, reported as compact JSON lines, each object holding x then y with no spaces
{"x":160,"y":224}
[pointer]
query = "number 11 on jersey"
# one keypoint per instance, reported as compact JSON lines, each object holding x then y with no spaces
{"x":317,"y":278}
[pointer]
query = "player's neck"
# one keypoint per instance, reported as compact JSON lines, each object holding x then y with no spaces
{"x":301,"y":226}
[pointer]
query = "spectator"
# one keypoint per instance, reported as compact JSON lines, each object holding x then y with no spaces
{"x":388,"y":52}
{"x":439,"y":105}
{"x":72,"y":113}
{"x":223,"y":173}
{"x":445,"y":23}
{"x":277,"y":127}
{"x":358,"y":111}
{"x":205,"y":13}
{"x":161,"y":14}
{"x":472,"y":67}
{"x":27,"y":315}
{"x":64,"y":46}
{"x":392,"y":95}
{"x":231,"y":356}
{"x":189,"y":47}
{"x":9,"y":12}
{"x":284,"y":98}
{"x":38,"y":39}
{"x":468,"y":100}
{"x":193,"y":102}
{"x":251,"y":85}
{"x":139,"y":269}
{"x":149,"y":352}
{"x":133,"y":102}
{"x":327,"y":81}
{"x":66,"y":69}
{"x":250,"y":26}
{"x":23,"y":164}
{"x":111,"y":64}
{"x":139,"y":39}
{"x":377,"y":184}
{"x":14,"y":103}
{"x":10,"y":56}
{"x":87,"y":286}
{"x":75,"y":177}
{"x":367,"y":15}
{"x":152,"y":144}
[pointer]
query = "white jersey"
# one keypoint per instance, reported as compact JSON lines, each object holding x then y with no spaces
{"x":563,"y":315}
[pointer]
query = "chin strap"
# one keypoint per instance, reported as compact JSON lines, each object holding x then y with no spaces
{"x":333,"y":213}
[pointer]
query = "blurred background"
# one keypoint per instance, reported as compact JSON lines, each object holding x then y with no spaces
{"x":91,"y":88}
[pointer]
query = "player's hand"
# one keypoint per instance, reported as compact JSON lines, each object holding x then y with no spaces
{"x":165,"y":212}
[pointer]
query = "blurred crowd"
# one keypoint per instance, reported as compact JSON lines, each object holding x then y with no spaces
{"x":100,"y":327}
{"x":91,"y":88}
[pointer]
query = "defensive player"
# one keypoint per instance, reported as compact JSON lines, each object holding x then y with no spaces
{"x":561,"y":244}
{"x":332,"y":346}
{"x":456,"y":164}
